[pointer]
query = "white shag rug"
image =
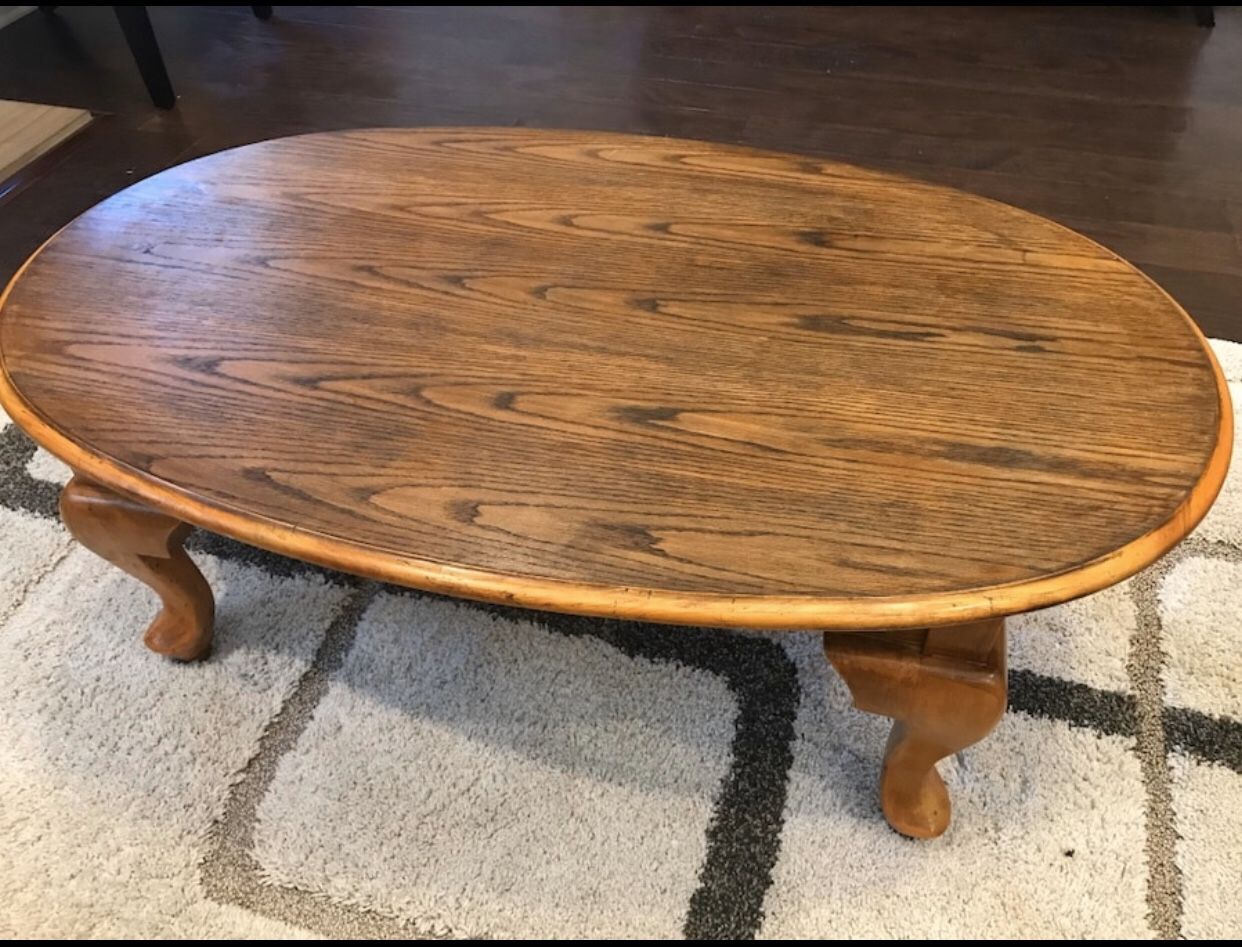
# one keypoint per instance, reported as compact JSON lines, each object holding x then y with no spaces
{"x":357,"y":760}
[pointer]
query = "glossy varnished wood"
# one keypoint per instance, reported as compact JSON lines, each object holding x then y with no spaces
{"x":629,"y":376}
{"x":945,"y":689}
{"x":146,"y":544}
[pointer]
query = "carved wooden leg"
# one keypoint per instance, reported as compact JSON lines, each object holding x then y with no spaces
{"x":147,"y":545}
{"x":944,"y":689}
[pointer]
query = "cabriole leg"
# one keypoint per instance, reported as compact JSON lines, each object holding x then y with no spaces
{"x":943,"y":687}
{"x":147,"y":545}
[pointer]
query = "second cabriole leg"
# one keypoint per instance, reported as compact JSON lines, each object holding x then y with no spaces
{"x":147,"y":545}
{"x":945,"y":690}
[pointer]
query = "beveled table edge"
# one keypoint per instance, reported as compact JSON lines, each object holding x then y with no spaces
{"x":768,"y":612}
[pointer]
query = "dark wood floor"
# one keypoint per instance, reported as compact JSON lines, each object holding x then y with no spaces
{"x":1123,"y":122}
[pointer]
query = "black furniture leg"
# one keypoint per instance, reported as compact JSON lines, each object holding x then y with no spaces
{"x":263,"y":13}
{"x":136,"y":26}
{"x":1205,"y":16}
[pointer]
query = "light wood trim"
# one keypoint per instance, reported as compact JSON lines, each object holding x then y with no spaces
{"x":29,"y":130}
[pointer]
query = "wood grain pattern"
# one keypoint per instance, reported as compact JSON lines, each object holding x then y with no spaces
{"x":146,"y":544}
{"x":945,"y":689}
{"x":663,"y":379}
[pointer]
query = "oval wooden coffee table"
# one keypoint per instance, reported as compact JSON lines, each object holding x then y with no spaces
{"x":648,"y":378}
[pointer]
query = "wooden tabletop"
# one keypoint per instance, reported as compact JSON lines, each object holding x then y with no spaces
{"x":654,"y":378}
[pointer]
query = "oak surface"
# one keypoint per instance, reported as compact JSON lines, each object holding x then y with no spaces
{"x":600,"y":373}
